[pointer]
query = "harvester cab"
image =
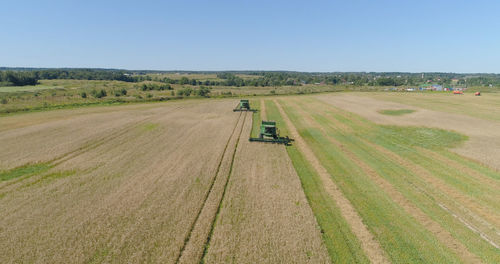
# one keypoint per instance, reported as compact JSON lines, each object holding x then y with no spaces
{"x":271,"y":134}
{"x":268,"y":129}
{"x":244,"y":105}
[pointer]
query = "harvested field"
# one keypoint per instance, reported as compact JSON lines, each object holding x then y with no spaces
{"x":484,"y":107}
{"x":265,"y":217}
{"x":129,"y":193}
{"x":146,"y":183}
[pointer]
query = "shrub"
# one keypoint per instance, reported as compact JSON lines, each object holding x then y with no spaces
{"x":123,"y":91}
{"x":4,"y":101}
{"x":203,"y":91}
{"x":99,"y":94}
{"x":83,"y":95}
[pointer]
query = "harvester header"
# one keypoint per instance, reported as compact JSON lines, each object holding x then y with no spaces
{"x":270,"y":133}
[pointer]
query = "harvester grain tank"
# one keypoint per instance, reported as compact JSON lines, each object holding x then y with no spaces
{"x":244,"y":105}
{"x":270,"y":133}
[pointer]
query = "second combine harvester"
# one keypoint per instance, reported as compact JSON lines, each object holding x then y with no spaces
{"x":268,"y":131}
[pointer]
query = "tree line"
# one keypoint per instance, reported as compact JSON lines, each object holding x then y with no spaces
{"x":11,"y":78}
{"x":30,"y":76}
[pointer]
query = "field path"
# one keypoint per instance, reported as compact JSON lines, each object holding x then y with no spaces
{"x":370,"y":246}
{"x":443,"y":235}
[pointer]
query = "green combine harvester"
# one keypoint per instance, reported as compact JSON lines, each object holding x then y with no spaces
{"x":244,"y":105}
{"x":269,"y":133}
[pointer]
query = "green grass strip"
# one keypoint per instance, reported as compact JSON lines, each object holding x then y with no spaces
{"x":25,"y":170}
{"x":256,"y":119}
{"x":397,"y":112}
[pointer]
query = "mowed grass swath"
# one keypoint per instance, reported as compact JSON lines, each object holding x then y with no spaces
{"x":344,"y":141}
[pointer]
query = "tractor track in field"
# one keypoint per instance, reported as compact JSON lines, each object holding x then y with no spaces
{"x":198,"y":237}
{"x":369,"y":244}
{"x":445,"y":237}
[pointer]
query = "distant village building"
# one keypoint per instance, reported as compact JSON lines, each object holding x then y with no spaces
{"x":437,"y":87}
{"x":430,"y":87}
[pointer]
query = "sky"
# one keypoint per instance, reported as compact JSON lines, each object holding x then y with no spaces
{"x":314,"y":36}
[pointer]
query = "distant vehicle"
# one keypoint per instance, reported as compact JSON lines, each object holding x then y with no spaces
{"x":458,"y":92}
{"x":477,"y":93}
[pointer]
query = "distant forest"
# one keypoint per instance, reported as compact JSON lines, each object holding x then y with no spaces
{"x":31,"y":76}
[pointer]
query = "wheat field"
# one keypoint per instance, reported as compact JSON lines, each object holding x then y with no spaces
{"x":180,"y":182}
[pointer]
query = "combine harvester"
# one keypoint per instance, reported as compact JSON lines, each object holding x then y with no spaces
{"x":244,"y":106}
{"x":270,"y":134}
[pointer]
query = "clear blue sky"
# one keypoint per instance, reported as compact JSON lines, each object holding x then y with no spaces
{"x":390,"y":35}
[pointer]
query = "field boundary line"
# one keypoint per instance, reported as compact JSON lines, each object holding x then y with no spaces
{"x":369,"y":244}
{"x":195,"y":228}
